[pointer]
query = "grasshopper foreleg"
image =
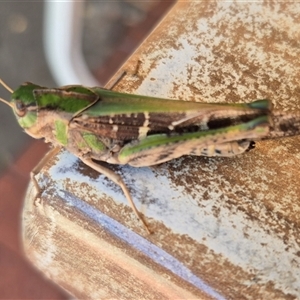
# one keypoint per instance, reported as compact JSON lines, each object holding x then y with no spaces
{"x":39,"y":167}
{"x":117,"y":180}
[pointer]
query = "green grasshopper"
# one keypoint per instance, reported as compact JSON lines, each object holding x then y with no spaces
{"x":96,"y":124}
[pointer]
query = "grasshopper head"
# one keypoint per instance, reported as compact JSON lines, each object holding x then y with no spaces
{"x":25,"y":107}
{"x":23,"y":104}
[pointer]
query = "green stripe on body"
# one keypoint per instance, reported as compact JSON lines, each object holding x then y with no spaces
{"x":61,"y":134}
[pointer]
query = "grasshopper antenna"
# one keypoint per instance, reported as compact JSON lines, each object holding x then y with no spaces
{"x":7,"y":88}
{"x":6,"y":102}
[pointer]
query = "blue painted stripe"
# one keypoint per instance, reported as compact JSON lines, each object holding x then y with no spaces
{"x":158,"y":255}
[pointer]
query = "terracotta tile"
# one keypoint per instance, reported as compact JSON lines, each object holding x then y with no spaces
{"x":19,"y":280}
{"x":13,"y":184}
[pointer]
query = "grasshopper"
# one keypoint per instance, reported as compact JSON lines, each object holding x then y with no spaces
{"x":97,"y":124}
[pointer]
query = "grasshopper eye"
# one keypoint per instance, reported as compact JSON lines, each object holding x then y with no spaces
{"x":20,"y":108}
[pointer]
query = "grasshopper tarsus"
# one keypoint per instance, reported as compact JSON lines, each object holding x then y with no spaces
{"x":137,"y":68}
{"x":36,"y":184}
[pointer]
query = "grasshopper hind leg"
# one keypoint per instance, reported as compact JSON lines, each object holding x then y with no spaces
{"x":228,"y":149}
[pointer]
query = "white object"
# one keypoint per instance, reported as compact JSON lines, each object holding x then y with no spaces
{"x":62,"y":40}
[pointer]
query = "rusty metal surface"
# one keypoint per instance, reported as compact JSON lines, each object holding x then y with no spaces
{"x":232,"y":222}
